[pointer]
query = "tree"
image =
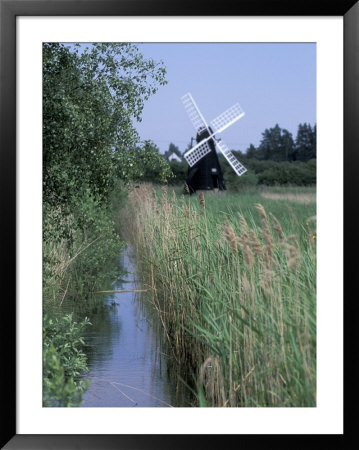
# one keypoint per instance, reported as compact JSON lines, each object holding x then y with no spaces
{"x":276,"y":144}
{"x":251,"y":151}
{"x":305,"y":143}
{"x":91,"y":98}
{"x":151,"y":165}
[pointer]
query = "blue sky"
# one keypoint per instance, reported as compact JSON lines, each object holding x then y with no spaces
{"x":273,"y":83}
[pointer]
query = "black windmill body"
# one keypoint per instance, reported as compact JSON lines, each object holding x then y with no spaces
{"x":204,"y":172}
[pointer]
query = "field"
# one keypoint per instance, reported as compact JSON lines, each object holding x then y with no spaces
{"x":232,"y":278}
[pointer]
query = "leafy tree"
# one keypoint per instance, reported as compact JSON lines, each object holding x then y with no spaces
{"x":305,"y":143}
{"x":91,"y":98}
{"x":151,"y":166}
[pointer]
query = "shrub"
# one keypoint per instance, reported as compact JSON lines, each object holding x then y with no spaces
{"x":179,"y":170}
{"x":63,"y":361}
{"x":296,"y":173}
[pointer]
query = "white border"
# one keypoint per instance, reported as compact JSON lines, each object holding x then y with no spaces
{"x":327,"y":416}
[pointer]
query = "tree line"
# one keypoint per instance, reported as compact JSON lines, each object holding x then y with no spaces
{"x":278,"y":144}
{"x":278,"y":159}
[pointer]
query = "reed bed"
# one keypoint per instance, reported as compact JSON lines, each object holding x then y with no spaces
{"x":235,"y":294}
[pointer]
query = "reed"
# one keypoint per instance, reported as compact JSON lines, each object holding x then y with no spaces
{"x":235,"y":293}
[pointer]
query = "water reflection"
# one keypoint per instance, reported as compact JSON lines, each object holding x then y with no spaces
{"x":126,"y":366}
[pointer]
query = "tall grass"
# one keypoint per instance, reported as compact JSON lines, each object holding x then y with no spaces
{"x":235,"y":292}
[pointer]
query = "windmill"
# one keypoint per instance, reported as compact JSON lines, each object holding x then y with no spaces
{"x":204,"y":172}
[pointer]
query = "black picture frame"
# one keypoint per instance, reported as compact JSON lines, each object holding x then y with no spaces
{"x":9,"y":10}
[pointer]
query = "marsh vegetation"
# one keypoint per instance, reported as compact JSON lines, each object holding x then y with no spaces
{"x":233,"y":280}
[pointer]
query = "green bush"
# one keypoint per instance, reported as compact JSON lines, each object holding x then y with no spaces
{"x":257,"y":165}
{"x":63,"y":361}
{"x":179,"y":170}
{"x":295,"y":173}
{"x":235,"y":183}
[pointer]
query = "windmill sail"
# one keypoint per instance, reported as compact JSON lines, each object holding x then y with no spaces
{"x":227,"y":118}
{"x":197,"y":152}
{"x":193,"y":112}
{"x":233,"y":161}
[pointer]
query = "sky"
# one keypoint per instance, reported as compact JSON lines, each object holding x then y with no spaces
{"x":273,"y":83}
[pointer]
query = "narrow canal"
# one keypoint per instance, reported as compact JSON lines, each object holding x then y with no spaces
{"x":127,"y":364}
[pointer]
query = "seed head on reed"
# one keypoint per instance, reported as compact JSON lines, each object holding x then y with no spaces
{"x":312,"y":219}
{"x":246,"y":285}
{"x":248,"y":255}
{"x":201,"y":199}
{"x":277,"y":227}
{"x":293,"y":238}
{"x":185,"y":209}
{"x":256,"y":245}
{"x":266,"y":234}
{"x":244,"y":228}
{"x":186,"y":188}
{"x":245,"y":242}
{"x":230,"y":235}
{"x":262,"y":213}
{"x":291,"y":248}
{"x":211,"y":378}
{"x":267,"y":281}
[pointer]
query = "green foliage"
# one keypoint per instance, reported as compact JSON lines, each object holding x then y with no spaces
{"x":101,"y":245}
{"x":150,"y":164}
{"x":278,"y":145}
{"x":305,"y":143}
{"x":57,"y":390}
{"x":77,"y":266}
{"x":233,"y":182}
{"x":63,"y":361}
{"x":257,"y":165}
{"x":90,"y":99}
{"x":289,"y":173}
{"x":179,"y":171}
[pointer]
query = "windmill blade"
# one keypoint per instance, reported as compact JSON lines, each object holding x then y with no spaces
{"x":197,"y":152}
{"x":193,"y":112}
{"x":227,"y":118}
{"x":233,"y":161}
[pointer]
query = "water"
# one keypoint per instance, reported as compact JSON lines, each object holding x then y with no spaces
{"x":127,"y":367}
